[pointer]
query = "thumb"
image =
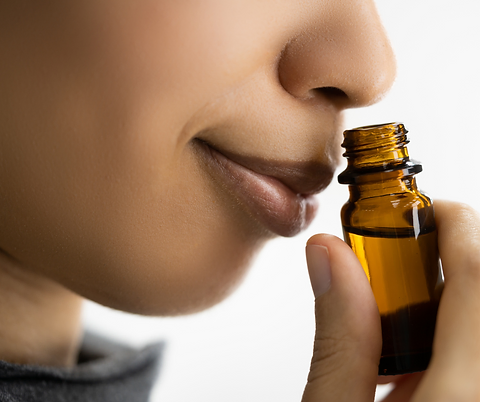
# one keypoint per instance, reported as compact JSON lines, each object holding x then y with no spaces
{"x":348,"y":338}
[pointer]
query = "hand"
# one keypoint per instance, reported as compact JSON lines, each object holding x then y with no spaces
{"x":348,"y":335}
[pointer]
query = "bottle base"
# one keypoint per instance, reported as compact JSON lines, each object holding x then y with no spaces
{"x":404,"y":364}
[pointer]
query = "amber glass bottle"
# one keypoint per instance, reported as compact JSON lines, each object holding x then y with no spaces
{"x":390,"y":226}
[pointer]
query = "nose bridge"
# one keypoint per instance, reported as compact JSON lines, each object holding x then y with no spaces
{"x":345,"y":47}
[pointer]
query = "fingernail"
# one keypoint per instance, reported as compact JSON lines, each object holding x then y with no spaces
{"x":318,"y":262}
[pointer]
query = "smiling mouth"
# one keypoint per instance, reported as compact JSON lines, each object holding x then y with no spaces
{"x":279,"y":195}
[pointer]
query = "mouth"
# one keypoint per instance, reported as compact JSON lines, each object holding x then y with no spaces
{"x":279,"y":195}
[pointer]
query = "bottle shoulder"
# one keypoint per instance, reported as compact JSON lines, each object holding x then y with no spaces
{"x":395,"y":199}
{"x":404,"y":210}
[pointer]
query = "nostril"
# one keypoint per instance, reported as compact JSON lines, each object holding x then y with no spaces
{"x":333,"y":95}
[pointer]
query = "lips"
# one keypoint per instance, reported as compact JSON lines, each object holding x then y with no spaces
{"x":279,"y":195}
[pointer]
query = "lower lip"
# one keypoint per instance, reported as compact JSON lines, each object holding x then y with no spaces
{"x":271,"y":202}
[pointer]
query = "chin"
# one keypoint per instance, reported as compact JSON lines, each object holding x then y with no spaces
{"x":158,"y":291}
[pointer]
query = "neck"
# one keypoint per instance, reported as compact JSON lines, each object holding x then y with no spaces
{"x":39,"y":319}
{"x":381,"y":187}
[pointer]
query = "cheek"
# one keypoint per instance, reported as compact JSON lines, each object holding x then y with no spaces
{"x":167,"y":244}
{"x":135,"y":230}
{"x":185,"y":53}
{"x":107,"y":198}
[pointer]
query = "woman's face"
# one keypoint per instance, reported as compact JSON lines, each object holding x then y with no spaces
{"x":149,"y":148}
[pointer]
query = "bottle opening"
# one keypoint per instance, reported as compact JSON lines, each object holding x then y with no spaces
{"x":375,"y":137}
{"x":376,"y":148}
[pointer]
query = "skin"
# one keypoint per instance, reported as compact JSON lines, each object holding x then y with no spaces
{"x":96,"y":177}
{"x":102,"y":191}
{"x":101,"y":102}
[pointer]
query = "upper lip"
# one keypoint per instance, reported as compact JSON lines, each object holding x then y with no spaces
{"x":301,"y":177}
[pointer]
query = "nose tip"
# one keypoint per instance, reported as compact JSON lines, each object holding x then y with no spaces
{"x":346,"y":56}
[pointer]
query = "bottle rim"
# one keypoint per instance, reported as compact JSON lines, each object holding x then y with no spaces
{"x":376,"y":148}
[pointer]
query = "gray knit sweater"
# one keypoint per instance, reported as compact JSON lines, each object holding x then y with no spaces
{"x":106,"y":372}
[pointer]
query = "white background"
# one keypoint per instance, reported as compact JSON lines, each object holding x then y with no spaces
{"x":256,"y":346}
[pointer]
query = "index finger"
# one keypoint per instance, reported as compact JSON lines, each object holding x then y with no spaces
{"x":454,"y":371}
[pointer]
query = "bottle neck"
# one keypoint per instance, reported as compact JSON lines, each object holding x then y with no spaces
{"x":376,"y":149}
{"x":382,"y":185}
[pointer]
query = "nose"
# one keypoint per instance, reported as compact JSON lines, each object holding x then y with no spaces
{"x":343,"y":54}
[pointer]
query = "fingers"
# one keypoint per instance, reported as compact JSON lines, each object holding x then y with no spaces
{"x":454,"y":371}
{"x":348,"y":336}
